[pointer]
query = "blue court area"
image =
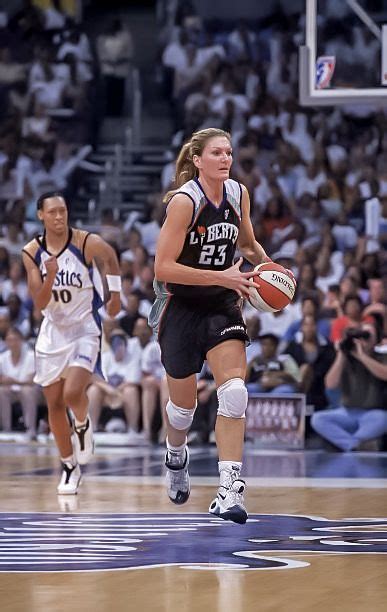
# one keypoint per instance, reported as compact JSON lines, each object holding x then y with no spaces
{"x":271,"y":465}
{"x":97,"y":542}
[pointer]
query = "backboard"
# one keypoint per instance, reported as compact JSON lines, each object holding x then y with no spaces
{"x":344,"y":59}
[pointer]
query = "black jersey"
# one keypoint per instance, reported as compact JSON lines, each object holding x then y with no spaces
{"x":211,"y":237}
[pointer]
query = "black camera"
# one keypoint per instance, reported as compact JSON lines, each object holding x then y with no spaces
{"x":347,"y":345}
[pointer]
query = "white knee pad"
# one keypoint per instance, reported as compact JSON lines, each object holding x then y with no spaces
{"x":232,"y":396}
{"x":180,"y":418}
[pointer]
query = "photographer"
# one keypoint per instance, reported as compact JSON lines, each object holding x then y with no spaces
{"x":360,"y":373}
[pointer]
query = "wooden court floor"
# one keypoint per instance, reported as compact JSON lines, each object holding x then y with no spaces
{"x":309,"y":548}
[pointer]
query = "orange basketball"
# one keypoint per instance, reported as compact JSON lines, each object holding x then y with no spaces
{"x":277,"y":287}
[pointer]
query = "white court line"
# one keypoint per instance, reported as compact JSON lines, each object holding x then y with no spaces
{"x":253,"y":481}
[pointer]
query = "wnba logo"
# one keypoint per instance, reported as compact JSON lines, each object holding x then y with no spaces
{"x":325,"y":67}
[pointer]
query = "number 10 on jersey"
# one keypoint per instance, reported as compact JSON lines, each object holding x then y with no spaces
{"x":63,"y":295}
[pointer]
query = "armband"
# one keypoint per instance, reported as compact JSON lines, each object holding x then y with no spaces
{"x":114,"y":282}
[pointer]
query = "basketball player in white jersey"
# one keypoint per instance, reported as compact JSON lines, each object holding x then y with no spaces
{"x":59,"y":266}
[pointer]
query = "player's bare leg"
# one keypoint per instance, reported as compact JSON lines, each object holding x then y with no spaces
{"x":228,"y":364}
{"x":179,"y":415}
{"x":60,"y":427}
{"x":75,"y":397}
{"x":57,"y":418}
{"x":228,"y":361}
{"x":164,"y":397}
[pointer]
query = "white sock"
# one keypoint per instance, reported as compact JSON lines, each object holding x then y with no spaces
{"x":80,"y":424}
{"x":70,"y":459}
{"x":176,"y":450}
{"x":230,"y":466}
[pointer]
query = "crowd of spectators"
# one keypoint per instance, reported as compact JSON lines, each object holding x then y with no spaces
{"x":57,"y":83}
{"x":318,"y":190}
{"x":316,"y":180}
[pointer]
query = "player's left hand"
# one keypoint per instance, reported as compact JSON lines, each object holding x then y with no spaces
{"x":113,"y":306}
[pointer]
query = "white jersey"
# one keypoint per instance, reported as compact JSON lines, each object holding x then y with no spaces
{"x":71,"y":328}
{"x":74,"y":295}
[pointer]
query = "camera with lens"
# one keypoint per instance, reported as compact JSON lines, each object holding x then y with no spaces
{"x":347,"y":345}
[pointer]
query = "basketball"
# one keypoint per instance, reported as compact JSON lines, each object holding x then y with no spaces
{"x":277,"y":287}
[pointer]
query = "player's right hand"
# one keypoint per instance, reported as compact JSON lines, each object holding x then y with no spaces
{"x":113,"y":306}
{"x":233,"y":278}
{"x":51,"y":265}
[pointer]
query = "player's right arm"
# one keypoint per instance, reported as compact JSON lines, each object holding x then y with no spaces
{"x":40,"y":290}
{"x":170,"y":245}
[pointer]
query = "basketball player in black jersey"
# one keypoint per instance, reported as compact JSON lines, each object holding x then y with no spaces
{"x":197,"y":310}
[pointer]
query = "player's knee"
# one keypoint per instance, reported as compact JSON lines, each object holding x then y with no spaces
{"x":55,"y":406}
{"x":232,"y":397}
{"x":180,"y":418}
{"x":71,"y":395}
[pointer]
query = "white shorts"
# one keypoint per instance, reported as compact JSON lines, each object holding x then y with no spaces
{"x":59,"y":348}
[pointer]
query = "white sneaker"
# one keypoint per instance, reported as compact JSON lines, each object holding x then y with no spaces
{"x":229,"y":502}
{"x":83,"y":442}
{"x":71,"y":477}
{"x":177,"y":477}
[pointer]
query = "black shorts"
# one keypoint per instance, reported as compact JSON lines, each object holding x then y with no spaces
{"x":189,"y":329}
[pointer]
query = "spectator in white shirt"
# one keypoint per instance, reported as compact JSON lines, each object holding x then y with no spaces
{"x":13,"y":238}
{"x":154,"y":389}
{"x":121,"y":365}
{"x":38,"y":124}
{"x":43,"y":180}
{"x":115,"y":52}
{"x":77,"y":45}
{"x":17,"y":369}
{"x":344,"y":234}
{"x":279,"y":321}
{"x":150,"y":231}
{"x":48,"y":91}
{"x":310,"y":183}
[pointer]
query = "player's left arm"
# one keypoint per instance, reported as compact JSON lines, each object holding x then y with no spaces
{"x":106,"y":259}
{"x":247,"y":244}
